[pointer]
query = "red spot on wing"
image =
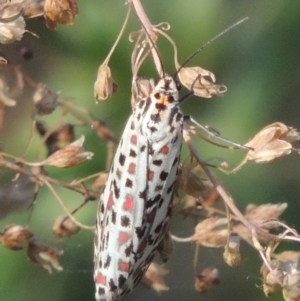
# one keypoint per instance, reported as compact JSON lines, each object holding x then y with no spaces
{"x":150,"y":175}
{"x":123,"y":237}
{"x":133,"y":139}
{"x":101,"y":279}
{"x":110,"y":201}
{"x":131,"y":168}
{"x":124,"y":266}
{"x":165,"y":150}
{"x":128,"y":204}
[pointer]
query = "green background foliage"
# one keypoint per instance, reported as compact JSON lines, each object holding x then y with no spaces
{"x":258,"y":62}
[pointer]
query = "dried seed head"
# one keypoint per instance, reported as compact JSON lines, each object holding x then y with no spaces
{"x":104,"y":86}
{"x":60,"y":11}
{"x":57,"y":139}
{"x":10,"y":11}
{"x":102,"y":130}
{"x":71,"y":155}
{"x":232,"y":255}
{"x":63,"y":226}
{"x":15,"y":237}
{"x":272,"y":142}
{"x":212,"y":232}
{"x":260,"y":214}
{"x":200,"y":81}
{"x":272,"y":281}
{"x":44,"y":100}
{"x":291,"y":287}
{"x":44,"y":256}
{"x":12,"y":31}
{"x":154,"y":277}
{"x":208,"y":278}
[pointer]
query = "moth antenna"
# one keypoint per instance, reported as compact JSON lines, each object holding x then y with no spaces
{"x":209,"y":42}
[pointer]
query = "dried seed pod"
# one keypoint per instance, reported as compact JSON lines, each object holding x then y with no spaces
{"x":208,"y":278}
{"x":15,"y":237}
{"x":212,"y":232}
{"x":11,"y":10}
{"x":154,"y":277}
{"x":45,"y":101}
{"x":200,"y":81}
{"x":63,"y":226}
{"x":60,"y":11}
{"x":57,"y":139}
{"x":104,"y":86}
{"x":272,"y":142}
{"x":291,"y":288}
{"x":44,"y":256}
{"x":71,"y":155}
{"x":12,"y":31}
{"x":232,"y":255}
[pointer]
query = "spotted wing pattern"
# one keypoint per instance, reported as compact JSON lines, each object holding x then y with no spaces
{"x":135,"y":206}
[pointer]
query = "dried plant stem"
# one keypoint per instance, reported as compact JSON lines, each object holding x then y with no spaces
{"x":40,"y":178}
{"x":66,"y":209}
{"x":142,"y":16}
{"x":256,"y":230}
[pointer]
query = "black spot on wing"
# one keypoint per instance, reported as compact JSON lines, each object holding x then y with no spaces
{"x":122,"y":159}
{"x":163,"y":175}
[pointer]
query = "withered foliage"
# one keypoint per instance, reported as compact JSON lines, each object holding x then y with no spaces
{"x":199,"y":196}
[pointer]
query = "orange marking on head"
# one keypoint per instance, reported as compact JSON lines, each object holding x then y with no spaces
{"x":165,"y":150}
{"x":124,"y":266}
{"x":131,"y":168}
{"x":123,"y":237}
{"x":128,"y":204}
{"x":101,"y":279}
{"x":133,"y":139}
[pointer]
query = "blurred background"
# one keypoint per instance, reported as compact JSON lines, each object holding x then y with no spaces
{"x":259,"y":63}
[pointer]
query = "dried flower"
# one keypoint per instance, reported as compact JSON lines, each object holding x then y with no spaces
{"x":71,"y":155}
{"x":104,"y":86}
{"x":45,"y":101}
{"x":15,"y":237}
{"x":154,"y":277}
{"x":60,"y":11}
{"x":272,"y":280}
{"x":200,"y":81}
{"x":44,"y":256}
{"x":208,"y":278}
{"x":63,"y":226}
{"x":272,"y":142}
